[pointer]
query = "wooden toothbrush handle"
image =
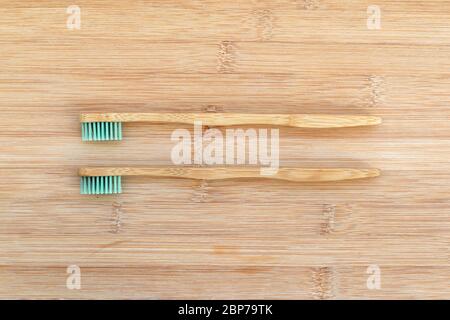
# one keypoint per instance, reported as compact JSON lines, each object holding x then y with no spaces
{"x":220,"y":173}
{"x":231,"y":119}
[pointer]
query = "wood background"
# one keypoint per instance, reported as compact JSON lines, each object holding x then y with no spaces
{"x":168,"y":238}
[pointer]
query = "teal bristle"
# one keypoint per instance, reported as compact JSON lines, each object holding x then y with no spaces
{"x":101,"y":131}
{"x":101,"y":185}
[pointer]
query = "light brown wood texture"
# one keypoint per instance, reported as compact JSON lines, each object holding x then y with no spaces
{"x":235,"y":119}
{"x":180,"y":238}
{"x":223,"y":173}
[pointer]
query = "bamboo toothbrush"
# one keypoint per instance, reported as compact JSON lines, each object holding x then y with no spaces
{"x":107,"y":180}
{"x":108,"y":126}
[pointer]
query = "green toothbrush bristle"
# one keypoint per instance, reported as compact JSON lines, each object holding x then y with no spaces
{"x":101,"y":185}
{"x":101,"y":131}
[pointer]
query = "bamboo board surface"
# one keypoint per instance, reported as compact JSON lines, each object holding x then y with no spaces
{"x":166,"y":238}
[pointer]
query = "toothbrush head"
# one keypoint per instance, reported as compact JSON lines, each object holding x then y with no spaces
{"x":101,"y":131}
{"x":101,"y":185}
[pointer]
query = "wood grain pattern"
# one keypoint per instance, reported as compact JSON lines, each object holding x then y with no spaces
{"x":179,"y":238}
